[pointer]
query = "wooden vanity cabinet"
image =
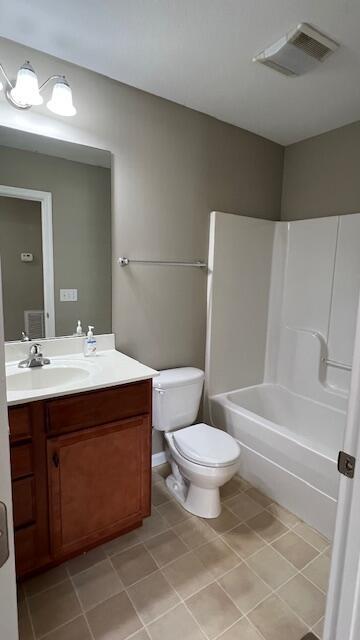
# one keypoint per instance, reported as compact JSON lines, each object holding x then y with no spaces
{"x":30,"y":501}
{"x":81,"y":472}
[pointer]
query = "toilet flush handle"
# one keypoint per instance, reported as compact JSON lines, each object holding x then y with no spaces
{"x":161,"y":393}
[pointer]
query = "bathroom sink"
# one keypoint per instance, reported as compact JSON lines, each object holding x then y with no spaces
{"x":48,"y":376}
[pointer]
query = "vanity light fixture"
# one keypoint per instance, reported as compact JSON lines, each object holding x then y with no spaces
{"x":26,"y":92}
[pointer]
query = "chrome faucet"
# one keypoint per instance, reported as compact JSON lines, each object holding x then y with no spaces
{"x":34,"y":359}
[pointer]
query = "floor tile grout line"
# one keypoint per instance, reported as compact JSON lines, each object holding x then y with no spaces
{"x":44,"y":636}
{"x":39,"y":593}
{"x":251,"y":624}
{"x":271,"y":543}
{"x":294,"y":576}
{"x":80,"y":604}
{"x":289,"y":530}
{"x":274,"y":591}
{"x":271,"y":592}
{"x":297,"y":571}
{"x":196,"y":622}
{"x":250,"y":610}
{"x":312,"y":582}
{"x":294,"y":612}
{"x":127,"y":590}
{"x":140,"y":579}
{"x":229,"y":627}
{"x":269,"y":595}
{"x":261,"y":635}
{"x":291,"y":527}
{"x":30,"y":617}
{"x":86,"y":611}
{"x":318,"y":621}
{"x":182,"y":601}
{"x":164,"y":613}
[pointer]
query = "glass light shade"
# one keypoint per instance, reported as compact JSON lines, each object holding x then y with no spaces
{"x":61,"y":99}
{"x":26,"y":90}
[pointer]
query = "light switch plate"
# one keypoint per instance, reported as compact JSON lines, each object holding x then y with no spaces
{"x":68,"y":295}
{"x":27,"y":257}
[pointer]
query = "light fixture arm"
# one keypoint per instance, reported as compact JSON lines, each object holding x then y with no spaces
{"x":50,"y":79}
{"x":8,"y":81}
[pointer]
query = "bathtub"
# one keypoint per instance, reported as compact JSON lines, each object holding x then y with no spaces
{"x":290,"y":446}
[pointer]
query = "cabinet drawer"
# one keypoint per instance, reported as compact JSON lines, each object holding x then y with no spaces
{"x":19,"y":423}
{"x":97,"y":407}
{"x":21,"y":461}
{"x":23,"y":502}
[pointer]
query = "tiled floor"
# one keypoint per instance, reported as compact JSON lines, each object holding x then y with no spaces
{"x":254,"y":573}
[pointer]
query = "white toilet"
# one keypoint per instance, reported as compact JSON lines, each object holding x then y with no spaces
{"x":202,"y":458}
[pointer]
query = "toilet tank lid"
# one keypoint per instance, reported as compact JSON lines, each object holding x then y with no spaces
{"x":177,"y":377}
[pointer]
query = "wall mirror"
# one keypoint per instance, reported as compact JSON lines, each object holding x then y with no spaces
{"x":55,"y":236}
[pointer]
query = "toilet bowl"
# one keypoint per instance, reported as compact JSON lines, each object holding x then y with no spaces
{"x":207,"y":458}
{"x":202,"y":458}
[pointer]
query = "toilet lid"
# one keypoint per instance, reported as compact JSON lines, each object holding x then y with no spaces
{"x":206,"y":445}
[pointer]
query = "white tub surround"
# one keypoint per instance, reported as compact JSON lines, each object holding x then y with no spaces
{"x":285,"y":301}
{"x":108,"y":368}
{"x":289,"y":447}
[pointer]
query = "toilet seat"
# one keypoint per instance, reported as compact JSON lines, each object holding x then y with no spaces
{"x":206,"y":446}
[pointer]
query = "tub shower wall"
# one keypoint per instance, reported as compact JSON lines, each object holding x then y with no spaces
{"x":288,"y":412}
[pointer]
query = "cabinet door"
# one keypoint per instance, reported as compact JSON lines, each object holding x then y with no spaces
{"x":99,"y":483}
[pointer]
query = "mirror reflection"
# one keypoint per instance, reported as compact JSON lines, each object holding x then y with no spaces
{"x":55,"y":236}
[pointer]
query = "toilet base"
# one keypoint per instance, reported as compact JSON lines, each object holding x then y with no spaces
{"x":204,"y":503}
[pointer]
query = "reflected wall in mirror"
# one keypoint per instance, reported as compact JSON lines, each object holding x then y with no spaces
{"x":22,"y":274}
{"x":55,"y":236}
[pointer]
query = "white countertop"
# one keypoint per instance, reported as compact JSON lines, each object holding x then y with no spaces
{"x":108,"y":368}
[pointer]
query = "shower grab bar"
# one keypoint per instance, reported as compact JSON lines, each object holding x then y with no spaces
{"x":123,"y":262}
{"x":336,"y":364}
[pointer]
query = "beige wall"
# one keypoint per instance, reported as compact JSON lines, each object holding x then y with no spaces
{"x":321,"y":175}
{"x":81,"y":195}
{"x":171,"y":167}
{"x":22,"y":282}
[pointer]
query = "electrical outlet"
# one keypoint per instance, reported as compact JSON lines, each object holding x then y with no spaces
{"x":68,"y":295}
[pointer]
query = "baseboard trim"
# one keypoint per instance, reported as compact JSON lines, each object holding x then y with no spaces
{"x":158,"y":458}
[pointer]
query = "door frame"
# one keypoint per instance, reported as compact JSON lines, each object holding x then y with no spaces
{"x":342,"y":619}
{"x":45,"y":199}
{"x":8,"y":600}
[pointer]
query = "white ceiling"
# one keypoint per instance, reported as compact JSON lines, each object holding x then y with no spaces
{"x":198,"y":53}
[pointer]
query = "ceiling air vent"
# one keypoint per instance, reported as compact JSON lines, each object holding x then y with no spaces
{"x":297,"y":52}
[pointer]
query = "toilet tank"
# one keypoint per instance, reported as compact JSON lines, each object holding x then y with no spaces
{"x":176,"y":397}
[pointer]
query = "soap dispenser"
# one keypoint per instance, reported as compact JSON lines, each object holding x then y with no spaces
{"x":90,"y":343}
{"x":79,"y":331}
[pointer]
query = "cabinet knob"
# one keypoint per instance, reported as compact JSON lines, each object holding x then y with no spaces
{"x":56,"y":459}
